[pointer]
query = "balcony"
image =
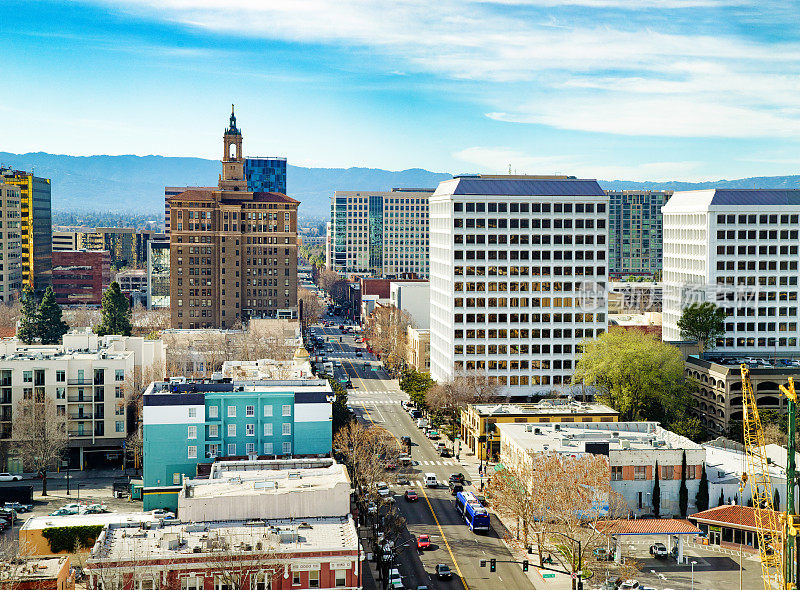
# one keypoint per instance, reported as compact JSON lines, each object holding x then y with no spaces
{"x":78,"y":433}
{"x":84,"y":416}
{"x":80,"y":382}
{"x":83,"y":399}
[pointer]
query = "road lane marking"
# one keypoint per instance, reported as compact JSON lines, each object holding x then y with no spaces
{"x":438,"y":525}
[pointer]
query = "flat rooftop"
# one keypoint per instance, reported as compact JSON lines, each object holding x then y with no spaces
{"x":757,"y":363}
{"x":572,"y":437}
{"x":544,"y":407}
{"x":308,"y":385}
{"x":43,"y":522}
{"x":45,"y":568}
{"x":268,"y":478}
{"x":181,"y":540}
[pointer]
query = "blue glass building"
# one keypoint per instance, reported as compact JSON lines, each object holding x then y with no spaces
{"x":265,"y":175}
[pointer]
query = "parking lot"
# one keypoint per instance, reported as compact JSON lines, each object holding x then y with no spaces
{"x":714,"y":568}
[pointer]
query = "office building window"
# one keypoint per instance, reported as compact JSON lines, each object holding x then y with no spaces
{"x":119,"y":426}
{"x":232,"y":449}
{"x":287,"y":428}
{"x":119,"y":375}
{"x":313,"y":579}
{"x":213,"y":431}
{"x":640,"y":472}
{"x":231,"y":411}
{"x":192,"y":432}
{"x":213,"y":411}
{"x":340,"y":578}
{"x":287,"y":410}
{"x":250,"y":448}
{"x":268,"y":429}
{"x":231,"y":429}
{"x":192,"y":412}
{"x":192,"y":452}
{"x":250,"y":411}
{"x":250,"y":429}
{"x":61,"y":393}
{"x":61,"y":376}
{"x":616,"y":473}
{"x":267,"y":448}
{"x":287,"y":448}
{"x":267,"y":411}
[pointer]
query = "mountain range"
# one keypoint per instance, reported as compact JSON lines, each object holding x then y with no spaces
{"x":136,"y":184}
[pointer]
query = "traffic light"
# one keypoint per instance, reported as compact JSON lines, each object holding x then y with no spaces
{"x":525,"y":565}
{"x":492,"y":565}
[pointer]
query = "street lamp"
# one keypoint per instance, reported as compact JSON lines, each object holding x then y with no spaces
{"x":693,"y":564}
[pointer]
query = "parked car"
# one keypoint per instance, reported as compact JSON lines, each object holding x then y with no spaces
{"x":161,"y":513}
{"x":457,"y":477}
{"x":96,"y":509}
{"x":395,"y":580}
{"x":411,"y":496}
{"x":383,"y":488}
{"x":433,"y":434}
{"x":455,"y":487}
{"x":62,"y":512}
{"x":629,"y":585}
{"x":423,"y":542}
{"x":659,"y":550}
{"x":443,"y":571}
{"x":21,"y":508}
{"x":445,"y":452}
{"x":9,"y":477}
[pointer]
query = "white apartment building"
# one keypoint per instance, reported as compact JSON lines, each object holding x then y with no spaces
{"x":413,"y":297}
{"x":379,"y":233}
{"x":511,"y":258}
{"x":89,"y":378}
{"x":739,"y":249}
{"x":10,"y":243}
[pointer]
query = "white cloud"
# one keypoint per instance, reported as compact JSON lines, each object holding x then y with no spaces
{"x":591,"y":75}
{"x":498,"y":160}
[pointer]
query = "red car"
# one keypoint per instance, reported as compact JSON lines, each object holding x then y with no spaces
{"x":423,"y":542}
{"x":411,"y":496}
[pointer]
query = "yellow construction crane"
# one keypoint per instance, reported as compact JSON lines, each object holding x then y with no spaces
{"x":770,"y":525}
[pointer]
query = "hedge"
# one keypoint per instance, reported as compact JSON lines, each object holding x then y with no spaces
{"x":69,"y":538}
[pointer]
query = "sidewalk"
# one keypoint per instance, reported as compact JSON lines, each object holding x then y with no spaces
{"x":559,"y":581}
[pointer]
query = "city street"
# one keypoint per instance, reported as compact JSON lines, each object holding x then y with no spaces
{"x":376,"y":398}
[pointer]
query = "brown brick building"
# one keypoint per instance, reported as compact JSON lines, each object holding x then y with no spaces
{"x":233,"y":253}
{"x":80,"y":276}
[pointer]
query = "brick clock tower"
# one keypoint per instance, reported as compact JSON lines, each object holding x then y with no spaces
{"x":232,"y":177}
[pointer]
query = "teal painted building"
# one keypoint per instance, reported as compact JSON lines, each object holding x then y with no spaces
{"x":189,"y":424}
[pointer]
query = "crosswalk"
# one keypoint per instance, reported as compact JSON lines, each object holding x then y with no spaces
{"x":377,"y":402}
{"x":450,"y":463}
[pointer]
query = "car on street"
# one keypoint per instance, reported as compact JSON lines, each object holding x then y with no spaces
{"x":443,"y":571}
{"x":411,"y":496}
{"x":9,"y":477}
{"x":455,"y":487}
{"x":659,"y":551}
{"x":359,"y":352}
{"x":457,"y":478}
{"x":19,"y":507}
{"x":395,"y":580}
{"x":445,"y":452}
{"x":372,"y":508}
{"x":423,"y":542}
{"x":481,"y":499}
{"x":629,"y":585}
{"x":404,"y":460}
{"x":433,"y":434}
{"x":383,"y":488}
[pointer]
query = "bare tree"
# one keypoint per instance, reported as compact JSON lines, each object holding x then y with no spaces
{"x":149,"y":321}
{"x":312,"y":307}
{"x":9,"y":313}
{"x":82,"y":317}
{"x":366,"y":451}
{"x":557,"y":500}
{"x":449,"y":397}
{"x":387,"y":332}
{"x":40,"y":434}
{"x":327,"y":278}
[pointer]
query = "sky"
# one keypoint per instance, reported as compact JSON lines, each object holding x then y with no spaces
{"x":609,"y":89}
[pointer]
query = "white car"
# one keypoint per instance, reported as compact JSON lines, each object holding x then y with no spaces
{"x":9,"y":477}
{"x":161,"y":513}
{"x":629,"y":585}
{"x":383,"y":488}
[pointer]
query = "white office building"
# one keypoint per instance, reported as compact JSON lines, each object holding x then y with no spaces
{"x":515,"y":261}
{"x":379,"y":233}
{"x":739,"y":249}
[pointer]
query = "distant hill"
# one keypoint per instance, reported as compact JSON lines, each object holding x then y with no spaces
{"x":136,"y":184}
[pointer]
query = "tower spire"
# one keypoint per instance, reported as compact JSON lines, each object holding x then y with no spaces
{"x":232,"y":129}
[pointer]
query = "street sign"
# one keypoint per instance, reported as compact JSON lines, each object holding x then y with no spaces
{"x":548,"y":575}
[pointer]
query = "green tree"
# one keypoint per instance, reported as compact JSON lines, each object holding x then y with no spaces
{"x":116,"y":318}
{"x":721,"y":501}
{"x":50,"y":325}
{"x":29,"y":321}
{"x":690,"y":427}
{"x":416,"y":385}
{"x":701,"y":499}
{"x":341,"y":414}
{"x":703,"y":322}
{"x":776,"y":500}
{"x":656,"y":494}
{"x":642,"y":377}
{"x":683,"y":492}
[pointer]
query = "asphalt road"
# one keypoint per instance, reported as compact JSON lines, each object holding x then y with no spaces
{"x":376,"y":400}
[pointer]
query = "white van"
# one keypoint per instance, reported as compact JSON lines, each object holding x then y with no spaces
{"x":430,"y":480}
{"x":422,"y":423}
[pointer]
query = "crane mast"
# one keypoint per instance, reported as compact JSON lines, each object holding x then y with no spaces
{"x":770,"y":526}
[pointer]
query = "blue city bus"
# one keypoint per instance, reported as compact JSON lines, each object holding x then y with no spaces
{"x":475,"y":515}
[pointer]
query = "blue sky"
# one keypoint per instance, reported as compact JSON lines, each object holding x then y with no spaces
{"x":612,"y":89}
